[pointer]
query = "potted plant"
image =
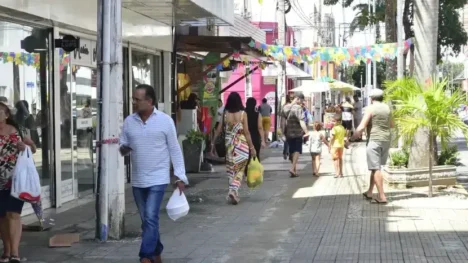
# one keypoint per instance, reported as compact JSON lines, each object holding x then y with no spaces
{"x":193,"y":149}
{"x":426,"y":107}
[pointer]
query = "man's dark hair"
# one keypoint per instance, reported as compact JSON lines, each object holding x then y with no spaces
{"x":377,"y":98}
{"x":264,"y":100}
{"x":149,"y":92}
{"x":299,"y":95}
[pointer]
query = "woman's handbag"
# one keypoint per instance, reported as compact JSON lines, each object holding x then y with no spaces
{"x":220,"y":143}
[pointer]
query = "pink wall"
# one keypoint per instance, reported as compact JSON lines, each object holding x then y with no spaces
{"x":260,"y":90}
{"x":271,"y":30}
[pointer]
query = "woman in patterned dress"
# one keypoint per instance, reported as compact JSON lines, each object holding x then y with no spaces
{"x":239,"y":145}
{"x":10,"y":208}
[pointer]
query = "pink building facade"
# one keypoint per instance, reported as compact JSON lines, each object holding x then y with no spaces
{"x":261,"y":88}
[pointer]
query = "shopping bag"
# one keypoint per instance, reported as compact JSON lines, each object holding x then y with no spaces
{"x":178,"y":206}
{"x":25,"y":183}
{"x":254,"y":173}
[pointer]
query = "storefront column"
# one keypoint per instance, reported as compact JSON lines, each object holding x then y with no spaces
{"x":167,"y":82}
{"x":56,"y":124}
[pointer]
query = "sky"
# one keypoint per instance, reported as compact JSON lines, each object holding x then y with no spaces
{"x":267,"y":12}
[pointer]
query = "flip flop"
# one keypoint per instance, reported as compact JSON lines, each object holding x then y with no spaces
{"x":375,"y":201}
{"x":366,"y":196}
{"x":293,"y":175}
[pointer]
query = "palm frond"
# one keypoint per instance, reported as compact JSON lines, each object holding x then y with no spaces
{"x":426,"y":106}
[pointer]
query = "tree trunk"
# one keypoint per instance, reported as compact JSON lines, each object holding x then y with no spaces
{"x":391,"y":35}
{"x":431,"y":154}
{"x":426,"y":15}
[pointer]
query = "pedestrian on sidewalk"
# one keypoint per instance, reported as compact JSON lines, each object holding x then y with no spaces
{"x":239,"y":146}
{"x":150,"y":137}
{"x":378,"y":121}
{"x":266,"y":110}
{"x":255,"y":125}
{"x":316,"y":138}
{"x":337,"y":145}
{"x":347,"y":116}
{"x":296,"y":130}
{"x":357,"y":113}
{"x":283,"y":129}
{"x":11,"y":143}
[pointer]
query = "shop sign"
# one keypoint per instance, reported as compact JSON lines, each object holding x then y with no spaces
{"x":68,"y":43}
{"x":86,"y":54}
{"x":84,"y":123}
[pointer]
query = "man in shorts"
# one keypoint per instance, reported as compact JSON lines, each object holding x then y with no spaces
{"x":296,"y":129}
{"x":378,"y":121}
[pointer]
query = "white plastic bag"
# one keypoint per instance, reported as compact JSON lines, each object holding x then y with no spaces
{"x":177,"y":207}
{"x":25,"y":183}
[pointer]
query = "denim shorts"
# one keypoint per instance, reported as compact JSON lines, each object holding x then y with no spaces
{"x":9,"y":204}
{"x":295,"y":145}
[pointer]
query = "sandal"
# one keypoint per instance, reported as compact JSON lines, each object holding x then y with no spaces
{"x":378,"y":202}
{"x":4,"y":258}
{"x":366,"y":196}
{"x":15,"y":259}
{"x":233,"y":198}
{"x":293,"y":175}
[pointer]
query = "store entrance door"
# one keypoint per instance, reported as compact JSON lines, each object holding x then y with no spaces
{"x":84,"y":114}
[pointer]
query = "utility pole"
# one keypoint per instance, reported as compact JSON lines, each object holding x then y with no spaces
{"x":400,"y":69}
{"x":375,"y":35}
{"x":110,"y":196}
{"x":281,"y":18}
{"x":368,"y":65}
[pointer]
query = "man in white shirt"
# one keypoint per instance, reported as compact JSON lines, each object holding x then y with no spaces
{"x":150,"y":137}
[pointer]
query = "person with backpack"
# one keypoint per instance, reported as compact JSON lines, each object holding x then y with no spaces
{"x":295,"y":130}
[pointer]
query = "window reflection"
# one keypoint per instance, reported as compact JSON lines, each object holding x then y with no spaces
{"x":23,"y":89}
{"x":146,"y":69}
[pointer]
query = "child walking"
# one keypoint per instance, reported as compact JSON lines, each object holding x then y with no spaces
{"x":337,"y":145}
{"x":317,"y":138}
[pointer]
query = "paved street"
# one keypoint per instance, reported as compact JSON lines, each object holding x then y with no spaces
{"x":285,"y":220}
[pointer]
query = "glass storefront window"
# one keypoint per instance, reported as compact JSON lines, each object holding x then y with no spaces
{"x":79,"y":114}
{"x":24,"y":85}
{"x":146,"y":69}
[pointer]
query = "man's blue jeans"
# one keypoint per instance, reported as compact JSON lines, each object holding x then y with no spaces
{"x":148,"y":201}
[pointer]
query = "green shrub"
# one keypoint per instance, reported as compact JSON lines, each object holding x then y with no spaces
{"x":399,"y":158}
{"x":448,"y":156}
{"x":195,"y":136}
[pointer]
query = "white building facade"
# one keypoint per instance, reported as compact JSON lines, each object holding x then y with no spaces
{"x":56,"y":93}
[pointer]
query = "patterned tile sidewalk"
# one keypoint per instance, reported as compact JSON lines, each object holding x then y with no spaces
{"x":304,"y":219}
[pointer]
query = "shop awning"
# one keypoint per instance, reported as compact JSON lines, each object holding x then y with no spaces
{"x":185,"y":12}
{"x":292,"y":72}
{"x":227,"y":45}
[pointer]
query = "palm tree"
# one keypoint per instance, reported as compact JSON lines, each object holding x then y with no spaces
{"x":426,"y":15}
{"x":425,"y":110}
{"x":363,"y":19}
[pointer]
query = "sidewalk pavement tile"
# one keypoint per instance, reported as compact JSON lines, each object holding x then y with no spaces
{"x":306,"y":219}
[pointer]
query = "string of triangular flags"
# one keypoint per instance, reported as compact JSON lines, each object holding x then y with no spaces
{"x":338,"y":55}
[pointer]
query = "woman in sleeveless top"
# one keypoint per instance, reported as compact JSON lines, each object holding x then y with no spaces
{"x":10,"y":208}
{"x":317,"y":138}
{"x":238,"y":144}
{"x":255,"y":125}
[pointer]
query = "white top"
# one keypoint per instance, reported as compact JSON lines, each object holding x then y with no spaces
{"x":220,"y":114}
{"x":154,"y":145}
